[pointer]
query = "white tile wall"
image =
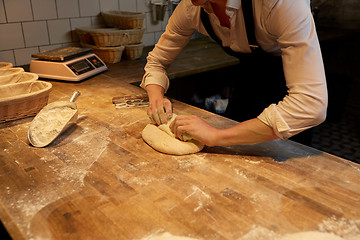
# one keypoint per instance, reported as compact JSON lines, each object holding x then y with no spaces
{"x":44,"y":9}
{"x":35,"y":33}
{"x":7,"y":56}
{"x":11,"y":36}
{"x":59,"y":31}
{"x":31,"y":26}
{"x":18,"y":10}
{"x":67,"y":8}
{"x":23,"y":56}
{"x":142,"y":5}
{"x":89,"y":7}
{"x":128,"y":5}
{"x":2,"y":13}
{"x":109,"y":5}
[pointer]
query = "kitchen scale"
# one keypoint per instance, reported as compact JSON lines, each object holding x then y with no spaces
{"x":67,"y":64}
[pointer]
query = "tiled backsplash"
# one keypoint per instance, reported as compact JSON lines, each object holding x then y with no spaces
{"x":31,"y":26}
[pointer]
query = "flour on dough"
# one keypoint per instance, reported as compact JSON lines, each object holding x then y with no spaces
{"x":166,"y":128}
{"x":163,"y":140}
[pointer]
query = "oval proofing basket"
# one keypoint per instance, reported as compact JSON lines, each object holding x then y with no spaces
{"x":107,"y":54}
{"x":123,"y":19}
{"x":18,"y":78}
{"x":117,"y":37}
{"x":23,"y":99}
{"x":133,"y":51}
{"x":5,"y":65}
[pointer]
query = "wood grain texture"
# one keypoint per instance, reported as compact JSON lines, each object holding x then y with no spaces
{"x":100,"y":180}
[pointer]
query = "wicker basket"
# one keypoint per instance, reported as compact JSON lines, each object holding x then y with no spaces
{"x":107,"y":54}
{"x":84,"y":35}
{"x":5,"y":65}
{"x":133,"y":51}
{"x":123,"y":20}
{"x":9,"y":72}
{"x":111,"y":37}
{"x":18,"y":78}
{"x":23,"y":99}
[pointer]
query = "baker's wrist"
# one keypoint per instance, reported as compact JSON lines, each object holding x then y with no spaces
{"x":214,"y":138}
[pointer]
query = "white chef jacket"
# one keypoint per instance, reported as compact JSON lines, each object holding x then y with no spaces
{"x":282,"y":28}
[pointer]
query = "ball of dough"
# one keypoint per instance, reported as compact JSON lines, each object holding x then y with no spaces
{"x":163,"y":140}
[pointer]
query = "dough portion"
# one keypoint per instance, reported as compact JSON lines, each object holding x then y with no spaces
{"x":163,"y":140}
{"x":166,"y":128}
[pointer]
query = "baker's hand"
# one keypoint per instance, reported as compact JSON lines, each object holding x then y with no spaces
{"x":160,"y":110}
{"x":196,"y":127}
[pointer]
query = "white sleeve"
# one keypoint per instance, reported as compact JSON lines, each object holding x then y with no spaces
{"x":180,"y":27}
{"x":305,"y":105}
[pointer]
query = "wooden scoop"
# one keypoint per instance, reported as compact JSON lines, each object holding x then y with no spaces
{"x":52,"y":120}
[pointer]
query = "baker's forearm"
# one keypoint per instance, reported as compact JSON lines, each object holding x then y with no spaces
{"x":155,"y":91}
{"x":248,"y":132}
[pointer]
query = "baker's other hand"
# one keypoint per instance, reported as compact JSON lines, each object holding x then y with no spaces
{"x":160,"y":111}
{"x":160,"y":108}
{"x":196,"y":127}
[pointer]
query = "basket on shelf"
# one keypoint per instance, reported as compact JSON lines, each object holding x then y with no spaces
{"x":110,"y":37}
{"x":123,"y":19}
{"x":133,"y":51}
{"x":5,"y":65}
{"x":24,"y":99}
{"x":107,"y":54}
{"x":84,"y":35}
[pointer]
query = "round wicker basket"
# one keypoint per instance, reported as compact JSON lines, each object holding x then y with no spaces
{"x":133,"y":51}
{"x":18,"y":78}
{"x":5,"y":65}
{"x":23,"y":99}
{"x":110,"y":37}
{"x":123,"y":19}
{"x":107,"y":54}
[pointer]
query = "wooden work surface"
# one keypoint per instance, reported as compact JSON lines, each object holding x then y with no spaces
{"x":100,"y":180}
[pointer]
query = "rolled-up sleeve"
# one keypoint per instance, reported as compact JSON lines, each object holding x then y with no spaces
{"x":306,"y":103}
{"x":177,"y":34}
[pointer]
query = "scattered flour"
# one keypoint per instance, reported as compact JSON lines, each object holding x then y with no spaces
{"x":189,"y":161}
{"x":348,"y":229}
{"x":260,"y":233}
{"x":202,"y":198}
{"x":330,"y":229}
{"x":313,"y":235}
{"x":166,"y":236}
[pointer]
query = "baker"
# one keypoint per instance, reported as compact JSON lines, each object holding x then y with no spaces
{"x":280,"y":86}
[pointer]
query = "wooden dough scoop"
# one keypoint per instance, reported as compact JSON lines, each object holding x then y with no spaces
{"x":53,"y":120}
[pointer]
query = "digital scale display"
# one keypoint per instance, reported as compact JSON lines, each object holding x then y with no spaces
{"x":78,"y":67}
{"x":85,"y":65}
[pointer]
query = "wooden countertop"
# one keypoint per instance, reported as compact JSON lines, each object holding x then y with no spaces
{"x":100,"y":180}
